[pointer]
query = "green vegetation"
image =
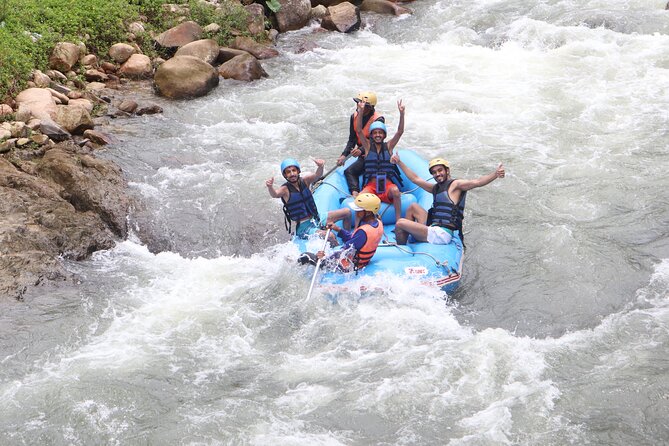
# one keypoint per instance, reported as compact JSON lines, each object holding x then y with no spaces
{"x":29,"y":29}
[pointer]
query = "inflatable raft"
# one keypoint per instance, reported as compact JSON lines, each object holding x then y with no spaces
{"x":435,"y":265}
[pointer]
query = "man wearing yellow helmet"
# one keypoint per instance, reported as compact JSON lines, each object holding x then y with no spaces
{"x":360,"y":245}
{"x":440,"y":223}
{"x":369,"y":115}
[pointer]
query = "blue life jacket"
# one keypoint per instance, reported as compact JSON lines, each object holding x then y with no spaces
{"x":376,"y":163}
{"x":444,"y":212}
{"x":300,"y":204}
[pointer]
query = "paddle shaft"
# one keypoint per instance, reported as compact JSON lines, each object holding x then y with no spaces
{"x":330,"y":171}
{"x":318,"y":267}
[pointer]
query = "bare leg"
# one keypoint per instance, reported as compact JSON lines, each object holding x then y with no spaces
{"x":396,"y":196}
{"x":405,"y":227}
{"x":416,"y":213}
{"x":413,"y":224}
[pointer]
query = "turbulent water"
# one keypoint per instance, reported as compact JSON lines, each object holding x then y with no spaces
{"x":559,"y":333}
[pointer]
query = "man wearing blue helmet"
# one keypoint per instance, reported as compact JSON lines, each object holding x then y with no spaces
{"x":381,"y":177}
{"x":354,"y":144}
{"x":298,"y":203}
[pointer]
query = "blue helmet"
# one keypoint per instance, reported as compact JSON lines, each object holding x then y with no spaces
{"x":378,"y":125}
{"x":289,"y":162}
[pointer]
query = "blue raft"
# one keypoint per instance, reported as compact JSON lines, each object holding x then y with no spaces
{"x":434,"y":265}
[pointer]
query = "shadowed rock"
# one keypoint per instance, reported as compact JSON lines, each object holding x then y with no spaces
{"x":242,"y":68}
{"x":64,"y":56}
{"x":69,"y":209}
{"x":344,"y":18}
{"x":258,"y":50}
{"x":383,"y":7}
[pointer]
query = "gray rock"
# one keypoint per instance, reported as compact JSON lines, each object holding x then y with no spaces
{"x":64,"y":56}
{"x":204,"y":49}
{"x":258,"y":50}
{"x":185,"y":77}
{"x":54,"y":131}
{"x":180,"y":35}
{"x":72,"y":206}
{"x":294,"y":14}
{"x":242,"y":68}
{"x":344,"y":18}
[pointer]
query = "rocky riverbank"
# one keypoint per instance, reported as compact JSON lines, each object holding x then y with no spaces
{"x":57,"y":199}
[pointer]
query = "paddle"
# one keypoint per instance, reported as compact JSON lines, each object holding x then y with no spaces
{"x":318,"y":267}
{"x":317,"y":180}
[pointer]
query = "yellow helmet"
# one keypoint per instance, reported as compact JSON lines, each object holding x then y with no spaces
{"x":367,"y":96}
{"x":366,"y":202}
{"x":437,"y":162}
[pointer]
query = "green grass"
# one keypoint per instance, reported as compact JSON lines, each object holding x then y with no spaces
{"x":29,"y":29}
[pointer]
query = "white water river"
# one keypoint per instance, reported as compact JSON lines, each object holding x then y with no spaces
{"x":558,"y":334}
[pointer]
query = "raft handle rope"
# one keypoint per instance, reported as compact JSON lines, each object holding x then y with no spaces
{"x":407,"y":251}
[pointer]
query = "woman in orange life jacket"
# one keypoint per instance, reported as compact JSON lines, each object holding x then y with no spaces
{"x":353,"y":145}
{"x":360,"y":245}
{"x":299,"y":206}
{"x":381,"y":176}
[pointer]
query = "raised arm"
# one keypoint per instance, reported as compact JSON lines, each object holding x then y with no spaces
{"x":350,"y":144}
{"x":281,"y":192}
{"x":411,"y":175}
{"x":359,"y":131}
{"x":465,"y":185}
{"x":400,"y":128}
{"x":311,"y":177}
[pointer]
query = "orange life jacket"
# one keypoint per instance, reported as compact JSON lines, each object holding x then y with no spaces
{"x":365,"y":129}
{"x":364,"y":255}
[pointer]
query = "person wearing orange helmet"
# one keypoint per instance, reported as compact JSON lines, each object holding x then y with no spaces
{"x":353,"y":145}
{"x":439,"y":224}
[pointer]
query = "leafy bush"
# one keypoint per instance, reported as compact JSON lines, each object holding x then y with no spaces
{"x":231,"y":17}
{"x":29,"y":29}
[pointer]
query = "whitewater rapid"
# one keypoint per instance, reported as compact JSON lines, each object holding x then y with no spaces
{"x":557,"y":335}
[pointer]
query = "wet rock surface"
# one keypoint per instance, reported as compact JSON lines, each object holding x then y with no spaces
{"x":57,"y":203}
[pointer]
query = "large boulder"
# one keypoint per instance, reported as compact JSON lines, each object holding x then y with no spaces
{"x":204,"y":49}
{"x":73,"y":118}
{"x":255,"y":20}
{"x":35,"y":103}
{"x":180,"y":35}
{"x":138,"y":66}
{"x":383,"y":7}
{"x":120,"y":52}
{"x":258,"y":50}
{"x":185,"y":77}
{"x":344,"y":17}
{"x":60,"y":212}
{"x":90,"y":185}
{"x":294,"y":14}
{"x":244,"y":67}
{"x":225,"y":53}
{"x":64,"y":56}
